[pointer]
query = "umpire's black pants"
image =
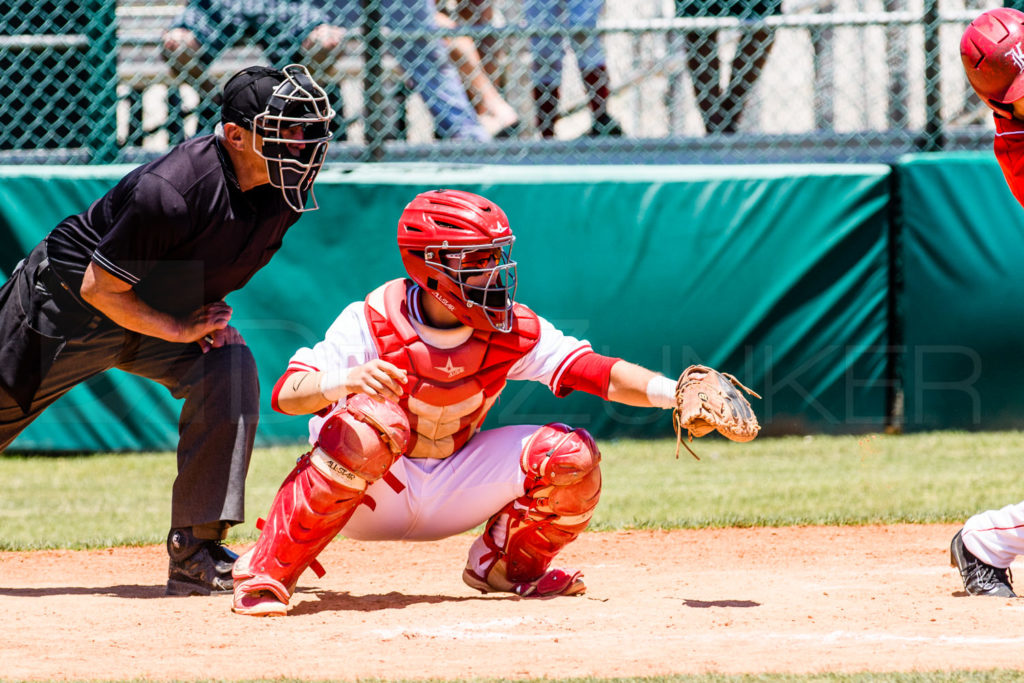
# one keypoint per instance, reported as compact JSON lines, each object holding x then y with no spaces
{"x":50,"y":342}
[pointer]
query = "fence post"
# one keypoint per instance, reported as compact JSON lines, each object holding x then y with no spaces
{"x":896,"y":56}
{"x":823,"y":45}
{"x":373,"y":77}
{"x":933,"y":132}
{"x":101,"y":54}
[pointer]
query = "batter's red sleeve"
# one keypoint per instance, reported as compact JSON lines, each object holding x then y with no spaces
{"x":1009,"y":149}
{"x":589,"y":372}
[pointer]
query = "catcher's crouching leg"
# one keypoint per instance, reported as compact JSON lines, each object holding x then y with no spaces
{"x":356,"y":446}
{"x":308,"y":511}
{"x":563,"y":484}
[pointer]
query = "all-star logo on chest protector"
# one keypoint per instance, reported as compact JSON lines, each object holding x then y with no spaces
{"x":452,"y":369}
{"x":449,"y":390}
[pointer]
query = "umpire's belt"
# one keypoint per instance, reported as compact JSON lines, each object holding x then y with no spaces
{"x":35,"y":325}
{"x":59,"y":290}
{"x":74,"y":312}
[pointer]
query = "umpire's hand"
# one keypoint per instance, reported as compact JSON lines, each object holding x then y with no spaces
{"x":116,"y":299}
{"x":219,"y":338}
{"x":204,"y":322}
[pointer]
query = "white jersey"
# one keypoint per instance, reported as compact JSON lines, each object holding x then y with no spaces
{"x":349,"y":343}
{"x":431,"y":498}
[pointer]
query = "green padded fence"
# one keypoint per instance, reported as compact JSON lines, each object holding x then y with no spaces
{"x":962,"y":256}
{"x":776,"y":273}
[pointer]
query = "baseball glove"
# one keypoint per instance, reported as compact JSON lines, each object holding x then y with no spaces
{"x":708,"y":400}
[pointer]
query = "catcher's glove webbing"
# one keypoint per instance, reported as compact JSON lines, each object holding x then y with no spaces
{"x":708,"y":400}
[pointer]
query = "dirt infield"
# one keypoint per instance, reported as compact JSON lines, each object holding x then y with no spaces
{"x":803,"y":599}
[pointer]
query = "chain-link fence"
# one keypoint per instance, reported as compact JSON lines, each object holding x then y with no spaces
{"x":510,"y":81}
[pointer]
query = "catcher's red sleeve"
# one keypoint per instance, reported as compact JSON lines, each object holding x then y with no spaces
{"x":590,"y":372}
{"x":1009,"y":149}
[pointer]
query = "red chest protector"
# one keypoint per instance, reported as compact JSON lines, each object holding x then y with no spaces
{"x":453,"y":382}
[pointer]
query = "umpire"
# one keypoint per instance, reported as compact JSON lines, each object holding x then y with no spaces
{"x":137,"y":282}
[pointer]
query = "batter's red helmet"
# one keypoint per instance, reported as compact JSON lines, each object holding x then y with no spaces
{"x":992,"y":50}
{"x":447,"y":237}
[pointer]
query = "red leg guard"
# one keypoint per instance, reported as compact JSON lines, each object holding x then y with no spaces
{"x":356,"y":445}
{"x":308,"y":512}
{"x":563,"y":486}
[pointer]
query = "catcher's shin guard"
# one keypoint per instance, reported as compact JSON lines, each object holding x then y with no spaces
{"x":309,"y":510}
{"x":356,"y":445}
{"x":563,"y":485}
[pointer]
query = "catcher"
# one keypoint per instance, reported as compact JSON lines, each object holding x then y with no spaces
{"x":398,"y":390}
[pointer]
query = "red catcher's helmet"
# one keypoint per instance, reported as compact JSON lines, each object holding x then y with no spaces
{"x":457,"y":246}
{"x":992,"y":50}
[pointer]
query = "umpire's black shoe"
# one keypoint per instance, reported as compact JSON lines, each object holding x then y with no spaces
{"x":198,"y":566}
{"x":979,"y":578}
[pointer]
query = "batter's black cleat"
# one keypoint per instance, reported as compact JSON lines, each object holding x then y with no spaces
{"x":979,"y":578}
{"x":198,"y":566}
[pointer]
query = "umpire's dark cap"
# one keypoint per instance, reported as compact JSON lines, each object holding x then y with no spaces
{"x":247,"y":93}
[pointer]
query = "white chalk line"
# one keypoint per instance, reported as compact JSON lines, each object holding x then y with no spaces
{"x":524,"y":629}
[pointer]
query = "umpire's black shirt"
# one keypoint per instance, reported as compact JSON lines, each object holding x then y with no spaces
{"x":178,"y":229}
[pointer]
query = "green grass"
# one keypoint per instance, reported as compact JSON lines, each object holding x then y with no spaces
{"x":934,"y":477}
{"x":124,"y":499}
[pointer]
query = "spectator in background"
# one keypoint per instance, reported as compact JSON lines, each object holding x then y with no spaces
{"x":721,"y":104}
{"x":480,"y":14}
{"x":288,"y":31}
{"x":496,"y":115}
{"x":580,"y":16}
{"x":428,"y":69}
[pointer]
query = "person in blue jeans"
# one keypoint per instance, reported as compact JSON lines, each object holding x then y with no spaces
{"x":288,"y":31}
{"x":428,"y":68}
{"x":312,"y":31}
{"x":721,"y":102}
{"x":548,"y":52}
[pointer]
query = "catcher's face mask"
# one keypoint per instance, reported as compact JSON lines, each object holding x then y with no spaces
{"x":458,"y":247}
{"x":292,"y":136}
{"x":484,"y":278}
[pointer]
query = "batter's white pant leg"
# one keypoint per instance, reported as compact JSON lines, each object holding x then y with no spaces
{"x":996,"y":537}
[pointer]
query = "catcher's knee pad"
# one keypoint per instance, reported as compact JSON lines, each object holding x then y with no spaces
{"x":563,"y":485}
{"x":563,"y":476}
{"x":356,"y":446}
{"x":364,"y":438}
